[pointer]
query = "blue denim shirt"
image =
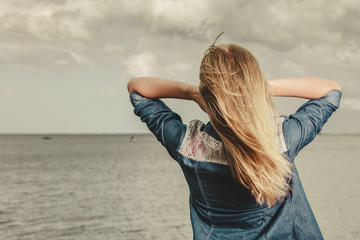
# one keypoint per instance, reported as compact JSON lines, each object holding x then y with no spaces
{"x":221,"y":208}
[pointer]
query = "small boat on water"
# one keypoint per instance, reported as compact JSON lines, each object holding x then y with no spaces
{"x":46,"y":138}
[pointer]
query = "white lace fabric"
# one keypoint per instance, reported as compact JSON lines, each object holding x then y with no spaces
{"x":200,"y":146}
{"x":280,"y":135}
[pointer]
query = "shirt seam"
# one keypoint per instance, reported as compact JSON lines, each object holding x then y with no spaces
{"x":210,"y":232}
{"x":203,"y":193}
{"x":182,"y":137}
{"x":293,"y":219}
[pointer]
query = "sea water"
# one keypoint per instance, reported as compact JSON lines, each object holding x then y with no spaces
{"x":124,"y":187}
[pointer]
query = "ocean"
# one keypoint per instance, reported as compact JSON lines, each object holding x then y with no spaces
{"x":118,"y":187}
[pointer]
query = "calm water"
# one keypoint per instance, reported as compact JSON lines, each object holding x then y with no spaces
{"x":106,"y":187}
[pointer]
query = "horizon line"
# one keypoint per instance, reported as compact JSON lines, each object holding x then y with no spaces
{"x":145,"y":133}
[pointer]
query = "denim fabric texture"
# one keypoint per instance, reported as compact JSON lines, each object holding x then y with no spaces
{"x":220,"y":208}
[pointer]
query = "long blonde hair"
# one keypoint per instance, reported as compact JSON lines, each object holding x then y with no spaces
{"x":240,"y":107}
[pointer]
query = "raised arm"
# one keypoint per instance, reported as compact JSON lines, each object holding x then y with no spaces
{"x":153,"y":87}
{"x":310,"y":118}
{"x":308,"y":87}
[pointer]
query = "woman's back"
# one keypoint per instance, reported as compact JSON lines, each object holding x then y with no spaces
{"x":221,"y":208}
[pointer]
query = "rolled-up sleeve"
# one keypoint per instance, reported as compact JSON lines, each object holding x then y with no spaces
{"x":302,"y":126}
{"x":165,"y":124}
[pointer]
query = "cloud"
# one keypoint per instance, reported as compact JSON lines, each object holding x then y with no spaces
{"x":107,"y":91}
{"x":45,"y":21}
{"x":80,"y":59}
{"x":141,"y":64}
{"x":111,"y":48}
{"x":45,"y":33}
{"x":188,"y":18}
{"x":76,"y":31}
{"x":351,"y":103}
{"x":295,"y":68}
{"x":307,"y":37}
{"x":117,"y":39}
{"x":60,"y":62}
{"x":8,"y":94}
{"x":179,"y":67}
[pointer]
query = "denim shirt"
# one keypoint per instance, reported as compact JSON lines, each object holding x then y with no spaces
{"x":221,"y":208}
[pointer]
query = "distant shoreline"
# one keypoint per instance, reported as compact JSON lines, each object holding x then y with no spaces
{"x":126,"y":134}
{"x":76,"y":134}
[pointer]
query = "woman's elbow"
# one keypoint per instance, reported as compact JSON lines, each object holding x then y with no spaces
{"x":130,"y":86}
{"x":331,"y":85}
{"x":337,"y":86}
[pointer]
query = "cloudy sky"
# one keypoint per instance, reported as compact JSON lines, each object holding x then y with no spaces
{"x":64,"y":65}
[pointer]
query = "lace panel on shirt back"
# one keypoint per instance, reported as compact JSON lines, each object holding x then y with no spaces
{"x":200,"y":146}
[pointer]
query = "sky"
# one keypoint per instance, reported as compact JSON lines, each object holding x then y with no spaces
{"x":64,"y":65}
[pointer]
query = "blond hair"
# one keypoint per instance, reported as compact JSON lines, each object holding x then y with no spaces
{"x":240,"y":107}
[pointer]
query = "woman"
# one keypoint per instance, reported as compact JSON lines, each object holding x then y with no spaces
{"x":240,"y":166}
